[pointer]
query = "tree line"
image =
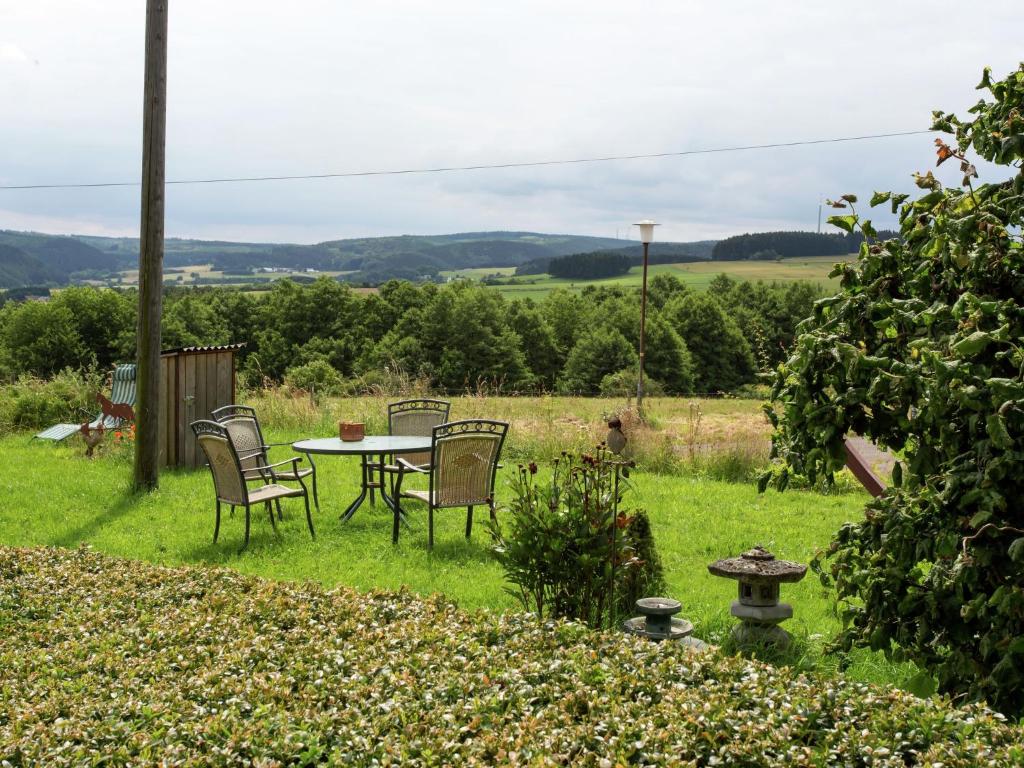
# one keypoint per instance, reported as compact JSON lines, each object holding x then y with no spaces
{"x":327,"y":336}
{"x":790,"y":244}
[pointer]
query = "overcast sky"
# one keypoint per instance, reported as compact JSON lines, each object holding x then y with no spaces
{"x":314,"y":86}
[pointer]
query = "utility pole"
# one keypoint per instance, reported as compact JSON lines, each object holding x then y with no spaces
{"x":151,"y":250}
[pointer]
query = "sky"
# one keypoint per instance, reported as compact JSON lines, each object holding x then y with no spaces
{"x":319,"y":86}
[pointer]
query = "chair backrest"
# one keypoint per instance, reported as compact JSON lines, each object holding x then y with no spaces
{"x":464,"y":461}
{"x":244,"y":430}
{"x":122,"y":387}
{"x":220,"y":453}
{"x":417,"y":417}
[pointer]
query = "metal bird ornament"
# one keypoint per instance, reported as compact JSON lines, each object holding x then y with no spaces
{"x":616,"y":441}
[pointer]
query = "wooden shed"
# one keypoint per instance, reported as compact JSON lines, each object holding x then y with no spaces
{"x":193,"y":382}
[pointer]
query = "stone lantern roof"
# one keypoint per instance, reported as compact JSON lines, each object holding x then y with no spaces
{"x":758,"y":566}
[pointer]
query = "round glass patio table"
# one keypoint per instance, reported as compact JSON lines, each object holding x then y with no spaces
{"x":371,"y":445}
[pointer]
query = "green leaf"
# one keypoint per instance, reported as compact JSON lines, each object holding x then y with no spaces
{"x":973,"y":344}
{"x":995,"y":426}
{"x":846,"y":223}
{"x":922,"y":685}
{"x":880,"y":197}
{"x":1016,"y":553}
{"x":897,"y":475}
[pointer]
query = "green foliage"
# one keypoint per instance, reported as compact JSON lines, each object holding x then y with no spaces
{"x":568,"y":547}
{"x":67,"y":397}
{"x":647,"y":578}
{"x":921,"y":351}
{"x":772,"y":245}
{"x":598,"y":352}
{"x":623,"y":384}
{"x":41,"y":338}
{"x":317,"y":376}
{"x":722,"y":360}
{"x":589,"y":266}
{"x":122,"y":663}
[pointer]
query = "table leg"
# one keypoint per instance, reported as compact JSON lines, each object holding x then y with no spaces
{"x":347,"y":515}
{"x":391,"y":502}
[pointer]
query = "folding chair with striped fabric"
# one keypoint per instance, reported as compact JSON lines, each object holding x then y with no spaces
{"x":122,"y":392}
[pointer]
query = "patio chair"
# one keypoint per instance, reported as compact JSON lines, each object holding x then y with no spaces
{"x":122,"y":392}
{"x":231,"y":484}
{"x":244,"y":428}
{"x":462,"y":467}
{"x":417,"y":417}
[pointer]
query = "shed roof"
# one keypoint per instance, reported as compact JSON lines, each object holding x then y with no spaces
{"x":203,"y":350}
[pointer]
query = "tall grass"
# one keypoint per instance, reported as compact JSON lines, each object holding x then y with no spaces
{"x":674,"y":436}
{"x":30,"y":403}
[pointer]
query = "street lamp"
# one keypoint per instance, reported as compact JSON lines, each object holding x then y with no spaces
{"x":646,"y":236}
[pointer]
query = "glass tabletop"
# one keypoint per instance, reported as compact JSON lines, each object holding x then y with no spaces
{"x":371,"y":444}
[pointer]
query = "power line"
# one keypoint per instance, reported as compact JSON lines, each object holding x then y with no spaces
{"x":490,"y":166}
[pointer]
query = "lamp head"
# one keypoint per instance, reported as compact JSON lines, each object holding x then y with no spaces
{"x":646,"y":230}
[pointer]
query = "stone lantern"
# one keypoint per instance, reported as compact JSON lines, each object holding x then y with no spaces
{"x":758,"y":608}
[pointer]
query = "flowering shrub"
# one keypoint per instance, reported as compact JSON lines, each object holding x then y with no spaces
{"x":118,"y":662}
{"x":569,"y":549}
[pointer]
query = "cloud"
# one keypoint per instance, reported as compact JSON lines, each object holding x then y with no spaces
{"x":11,"y":52}
{"x":267,"y":88}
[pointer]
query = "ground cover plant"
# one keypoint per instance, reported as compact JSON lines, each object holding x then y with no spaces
{"x":123,"y":663}
{"x":922,"y":351}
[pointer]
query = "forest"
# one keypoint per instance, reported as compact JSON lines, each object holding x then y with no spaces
{"x":790,"y":244}
{"x":461,"y":336}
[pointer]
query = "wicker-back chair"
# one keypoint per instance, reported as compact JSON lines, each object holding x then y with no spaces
{"x":231,"y":484}
{"x":463,"y":464}
{"x":253,"y":451}
{"x":417,"y":416}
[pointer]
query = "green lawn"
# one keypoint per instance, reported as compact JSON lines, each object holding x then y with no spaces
{"x":697,"y":275}
{"x":55,"y":496}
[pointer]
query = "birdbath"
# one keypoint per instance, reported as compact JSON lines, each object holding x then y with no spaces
{"x":655,"y":621}
{"x":758,"y":608}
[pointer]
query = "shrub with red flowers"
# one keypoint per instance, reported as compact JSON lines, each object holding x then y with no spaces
{"x":569,"y":551}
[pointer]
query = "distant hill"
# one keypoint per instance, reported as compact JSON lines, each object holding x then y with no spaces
{"x":19,"y":269}
{"x":63,"y":254}
{"x":369,"y":260}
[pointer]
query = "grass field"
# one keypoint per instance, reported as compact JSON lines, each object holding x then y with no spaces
{"x":697,"y":275}
{"x":56,"y":497}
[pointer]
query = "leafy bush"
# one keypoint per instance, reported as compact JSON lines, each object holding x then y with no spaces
{"x":921,"y":351}
{"x":623,"y":384}
{"x":126,"y":663}
{"x":317,"y":376}
{"x":569,"y":548}
{"x":33,"y":403}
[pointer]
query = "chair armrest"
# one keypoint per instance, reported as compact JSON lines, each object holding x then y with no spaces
{"x":276,"y":445}
{"x":294,"y":460}
{"x":405,"y":466}
{"x":244,"y":456}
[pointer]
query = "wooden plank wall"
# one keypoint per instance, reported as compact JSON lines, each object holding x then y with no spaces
{"x":192,"y":386}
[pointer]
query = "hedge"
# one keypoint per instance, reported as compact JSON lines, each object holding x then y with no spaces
{"x":129,"y":663}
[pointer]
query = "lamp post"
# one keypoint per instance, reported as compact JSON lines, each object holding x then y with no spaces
{"x":646,"y":236}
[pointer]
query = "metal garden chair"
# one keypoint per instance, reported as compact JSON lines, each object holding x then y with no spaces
{"x":417,"y":416}
{"x":462,"y":466}
{"x":244,"y":429}
{"x":230,"y":481}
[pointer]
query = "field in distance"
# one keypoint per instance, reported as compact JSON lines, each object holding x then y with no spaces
{"x":697,"y":275}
